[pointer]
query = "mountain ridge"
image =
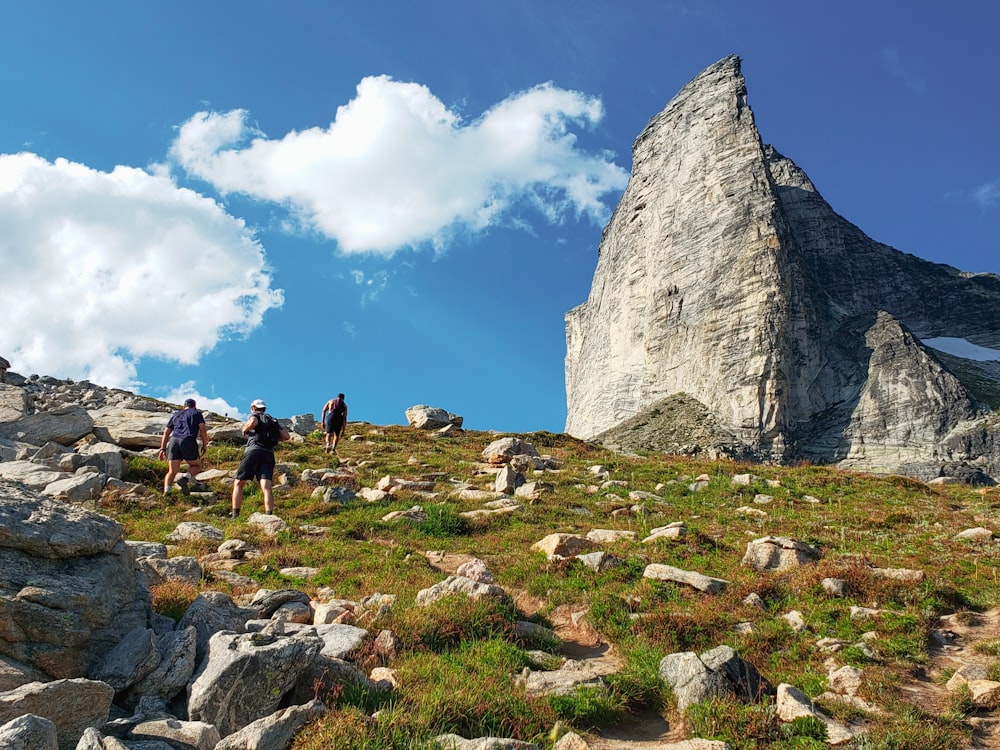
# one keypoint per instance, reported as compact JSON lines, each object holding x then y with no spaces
{"x":725,"y":275}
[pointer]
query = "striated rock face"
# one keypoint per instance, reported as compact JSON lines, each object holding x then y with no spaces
{"x":724,"y":276}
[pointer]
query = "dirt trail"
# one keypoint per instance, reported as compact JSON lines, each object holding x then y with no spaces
{"x":954,"y":649}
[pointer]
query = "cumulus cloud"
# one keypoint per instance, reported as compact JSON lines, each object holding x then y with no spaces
{"x":397,"y":168}
{"x":101,"y":269}
{"x":206,"y":403}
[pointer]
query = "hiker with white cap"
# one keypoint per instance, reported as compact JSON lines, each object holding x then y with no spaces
{"x":263,"y":433}
{"x":180,"y":442}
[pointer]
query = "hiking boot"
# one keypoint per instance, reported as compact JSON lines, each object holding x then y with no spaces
{"x":234,"y":514}
{"x":185,"y":484}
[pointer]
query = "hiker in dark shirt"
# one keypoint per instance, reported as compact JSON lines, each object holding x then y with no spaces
{"x":334,"y":419}
{"x":180,"y":442}
{"x":263,"y":433}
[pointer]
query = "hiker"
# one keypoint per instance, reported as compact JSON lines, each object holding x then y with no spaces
{"x":263,"y":433}
{"x":334,"y":419}
{"x":180,"y":443}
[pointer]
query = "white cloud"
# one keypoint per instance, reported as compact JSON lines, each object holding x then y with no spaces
{"x":101,"y":269}
{"x":206,"y":403}
{"x":397,"y":168}
{"x":988,"y":195}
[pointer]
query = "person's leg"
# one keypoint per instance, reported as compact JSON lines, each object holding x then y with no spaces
{"x":237,"y":497}
{"x":173,"y":466}
{"x":268,"y":490}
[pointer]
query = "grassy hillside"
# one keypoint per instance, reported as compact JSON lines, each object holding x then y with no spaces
{"x":459,"y":659}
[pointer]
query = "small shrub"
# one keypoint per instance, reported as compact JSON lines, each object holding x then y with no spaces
{"x":805,"y":727}
{"x":743,"y":726}
{"x":443,"y":521}
{"x":172,"y":598}
{"x":589,"y":707}
{"x":446,"y":623}
{"x":144,"y":470}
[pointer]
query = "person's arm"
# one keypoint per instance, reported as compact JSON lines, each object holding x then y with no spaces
{"x":250,"y":424}
{"x":203,"y":431}
{"x":343,"y":425}
{"x":164,"y":440}
{"x":326,"y":408}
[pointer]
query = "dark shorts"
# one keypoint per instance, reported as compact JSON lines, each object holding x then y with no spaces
{"x":257,"y":464}
{"x":184,"y":449}
{"x":334,"y":423}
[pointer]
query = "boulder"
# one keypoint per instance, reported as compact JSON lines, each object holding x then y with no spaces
{"x":71,"y":589}
{"x":64,"y":425}
{"x":29,"y":732}
{"x":246,"y":676}
{"x":72,"y":705}
{"x":177,"y":651}
{"x":459,"y":585}
{"x":128,"y":427}
{"x":777,"y":553}
{"x":709,"y":585}
{"x":273,"y":732}
{"x":13,"y":403}
{"x":210,"y":613}
{"x":501,"y":451}
{"x":431,"y":418}
{"x":133,"y":658}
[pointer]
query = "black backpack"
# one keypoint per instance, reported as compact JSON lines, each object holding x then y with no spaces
{"x":268,"y":431}
{"x":339,"y":407}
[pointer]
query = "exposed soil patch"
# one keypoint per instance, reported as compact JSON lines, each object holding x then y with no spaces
{"x":954,"y":647}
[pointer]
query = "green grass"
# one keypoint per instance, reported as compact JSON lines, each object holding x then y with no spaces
{"x":459,"y":659}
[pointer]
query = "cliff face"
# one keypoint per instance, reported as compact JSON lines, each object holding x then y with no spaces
{"x":725,"y":276}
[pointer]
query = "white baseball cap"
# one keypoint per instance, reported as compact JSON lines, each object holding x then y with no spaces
{"x":258,"y":404}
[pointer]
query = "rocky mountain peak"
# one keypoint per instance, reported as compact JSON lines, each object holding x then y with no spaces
{"x":724,"y":275}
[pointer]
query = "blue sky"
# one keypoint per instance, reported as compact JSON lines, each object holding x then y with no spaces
{"x":401,"y":200}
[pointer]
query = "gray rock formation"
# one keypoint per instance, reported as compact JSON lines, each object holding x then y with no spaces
{"x":724,"y":276}
{"x":72,"y":705}
{"x":246,"y":677}
{"x":69,"y":591}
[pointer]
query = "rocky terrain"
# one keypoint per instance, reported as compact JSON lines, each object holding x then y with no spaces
{"x":642,"y":604}
{"x":724,"y":275}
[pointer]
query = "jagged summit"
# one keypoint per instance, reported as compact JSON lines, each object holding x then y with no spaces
{"x":724,"y":275}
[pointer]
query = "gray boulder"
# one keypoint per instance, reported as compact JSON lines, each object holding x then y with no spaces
{"x":717,"y":672}
{"x":107,"y":457}
{"x":501,"y":451}
{"x":777,"y":553}
{"x":29,"y":732}
{"x":129,"y":427}
{"x":68,"y":586}
{"x":133,"y":658}
{"x":82,"y":487}
{"x":14,"y":674}
{"x":13,"y":403}
{"x":274,"y":732}
{"x":35,"y":476}
{"x":212,"y":612}
{"x":193,"y":734}
{"x":431,"y":418}
{"x":246,"y":677}
{"x":690,"y":680}
{"x":64,"y":425}
{"x":178,"y":651}
{"x":72,"y":705}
